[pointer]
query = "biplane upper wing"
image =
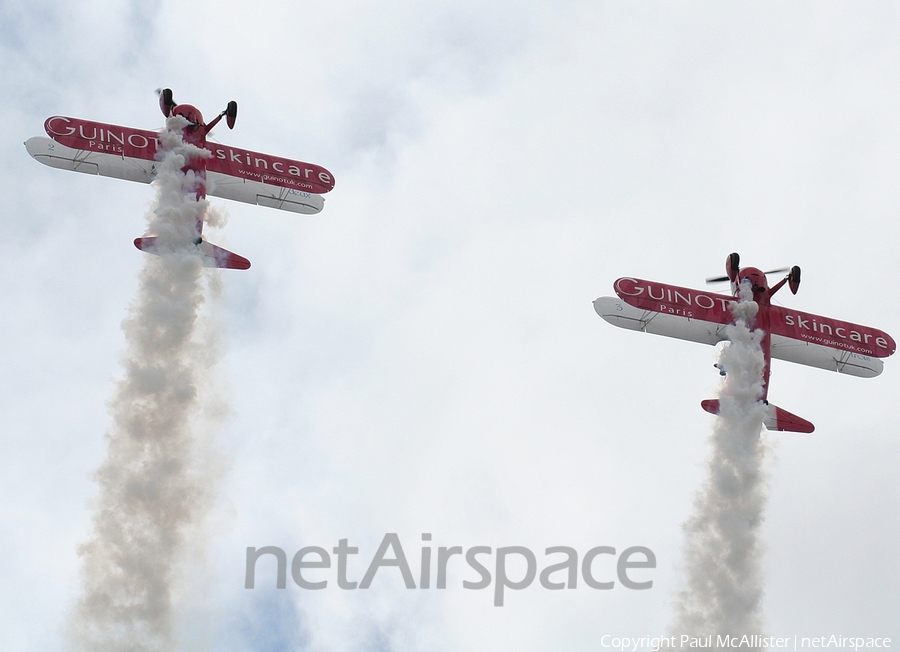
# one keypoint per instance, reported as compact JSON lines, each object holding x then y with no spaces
{"x":828,"y":343}
{"x":667,"y":310}
{"x":130,"y":142}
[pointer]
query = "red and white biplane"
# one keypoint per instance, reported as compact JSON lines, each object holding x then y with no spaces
{"x":229,"y":172}
{"x":788,"y":334}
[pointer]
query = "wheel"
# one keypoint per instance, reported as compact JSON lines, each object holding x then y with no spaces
{"x":166,"y":103}
{"x":231,"y":114}
{"x":794,"y":279}
{"x":733,"y":266}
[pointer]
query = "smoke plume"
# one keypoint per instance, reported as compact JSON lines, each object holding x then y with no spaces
{"x":156,"y":482}
{"x":722,"y":549}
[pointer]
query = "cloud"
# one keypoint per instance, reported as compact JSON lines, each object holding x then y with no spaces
{"x":423,"y":354}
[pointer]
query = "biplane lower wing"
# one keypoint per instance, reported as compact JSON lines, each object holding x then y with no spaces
{"x":49,"y":152}
{"x":825,"y":357}
{"x":618,"y":313}
{"x":263,"y":194}
{"x":56,"y":155}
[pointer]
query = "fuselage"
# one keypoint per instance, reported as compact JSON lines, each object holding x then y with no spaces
{"x":195,"y":134}
{"x":762,"y":295}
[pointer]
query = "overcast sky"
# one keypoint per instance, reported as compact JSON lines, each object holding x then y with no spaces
{"x":423,"y":356}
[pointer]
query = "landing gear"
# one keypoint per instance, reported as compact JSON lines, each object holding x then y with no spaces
{"x":231,"y":114}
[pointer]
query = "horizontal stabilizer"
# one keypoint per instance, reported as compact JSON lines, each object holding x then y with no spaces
{"x":776,"y":418}
{"x":213,"y":256}
{"x":210,"y":254}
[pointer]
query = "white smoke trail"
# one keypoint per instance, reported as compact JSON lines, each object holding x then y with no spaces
{"x":722,"y":549}
{"x":156,"y":482}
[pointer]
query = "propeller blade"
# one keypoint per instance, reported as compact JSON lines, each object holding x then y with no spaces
{"x":777,"y":271}
{"x":717,"y":279}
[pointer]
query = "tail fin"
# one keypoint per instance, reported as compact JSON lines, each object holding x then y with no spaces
{"x":776,"y":418}
{"x":210,"y":254}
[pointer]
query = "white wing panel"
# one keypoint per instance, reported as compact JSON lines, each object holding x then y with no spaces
{"x":49,"y":152}
{"x":618,"y":313}
{"x":824,"y":357}
{"x":263,"y":194}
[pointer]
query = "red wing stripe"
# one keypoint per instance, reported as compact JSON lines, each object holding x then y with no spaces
{"x":102,"y":137}
{"x":673,"y":300}
{"x":265,"y":168}
{"x":833,"y":333}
